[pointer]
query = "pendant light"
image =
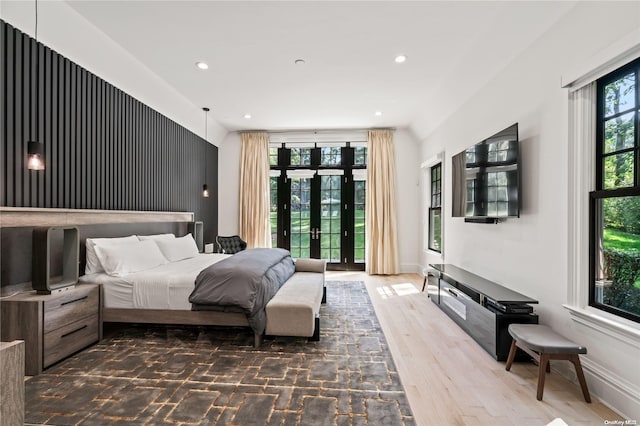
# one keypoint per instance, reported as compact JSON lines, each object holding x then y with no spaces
{"x":205,"y":190}
{"x":35,"y":159}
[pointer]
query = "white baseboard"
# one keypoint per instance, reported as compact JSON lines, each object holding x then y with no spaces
{"x":612,"y":390}
{"x":409,"y":268}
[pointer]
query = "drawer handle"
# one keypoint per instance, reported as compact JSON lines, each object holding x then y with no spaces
{"x":74,"y":331}
{"x":80,"y":299}
{"x":452,"y":292}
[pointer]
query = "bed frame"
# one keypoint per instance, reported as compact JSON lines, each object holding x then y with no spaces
{"x":178,"y":317}
{"x":113,"y":223}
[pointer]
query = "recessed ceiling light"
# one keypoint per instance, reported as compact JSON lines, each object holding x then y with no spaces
{"x":299,"y":62}
{"x":378,"y":113}
{"x":400,"y":59}
{"x":202,"y":65}
{"x":247,"y":116}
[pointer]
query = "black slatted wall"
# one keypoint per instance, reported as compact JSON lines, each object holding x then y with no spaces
{"x":103,"y":149}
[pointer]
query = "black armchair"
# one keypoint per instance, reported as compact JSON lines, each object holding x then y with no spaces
{"x":230,"y":245}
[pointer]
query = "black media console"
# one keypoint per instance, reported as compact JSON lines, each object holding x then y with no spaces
{"x":481,"y":307}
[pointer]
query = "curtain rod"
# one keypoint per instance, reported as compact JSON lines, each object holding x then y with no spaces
{"x":275,"y":132}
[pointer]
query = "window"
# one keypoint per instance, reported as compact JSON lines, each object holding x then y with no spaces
{"x":331,"y":219}
{"x":360,"y":156}
{"x":359,"y":200}
{"x":614,"y":240}
{"x":273,"y":208}
{"x":331,"y":156}
{"x":273,"y":155}
{"x":300,"y":156}
{"x":318,"y":197}
{"x":435,"y":209}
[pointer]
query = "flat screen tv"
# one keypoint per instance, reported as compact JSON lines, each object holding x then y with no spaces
{"x":486,"y":179}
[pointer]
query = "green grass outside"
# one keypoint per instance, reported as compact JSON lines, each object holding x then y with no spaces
{"x":621,"y":240}
{"x":331,"y":229}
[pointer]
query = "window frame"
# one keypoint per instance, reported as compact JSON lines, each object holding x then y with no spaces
{"x":601,"y":119}
{"x":435,"y":204}
{"x":343,"y":160}
{"x":600,"y":193}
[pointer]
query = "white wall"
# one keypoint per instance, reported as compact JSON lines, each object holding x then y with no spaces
{"x":229,"y":185}
{"x":529,"y":254}
{"x":408,"y":200}
{"x":407,"y":153}
{"x":64,"y":30}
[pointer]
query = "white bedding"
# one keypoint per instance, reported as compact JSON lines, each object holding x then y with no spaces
{"x":165,"y":287}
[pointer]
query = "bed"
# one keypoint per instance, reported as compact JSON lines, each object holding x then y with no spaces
{"x":160,"y":294}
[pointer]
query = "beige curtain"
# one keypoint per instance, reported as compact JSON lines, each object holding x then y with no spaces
{"x":255,"y":227}
{"x":381,"y":226}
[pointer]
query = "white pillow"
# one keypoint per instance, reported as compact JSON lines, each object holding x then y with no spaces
{"x":178,"y":248}
{"x":93,"y":265}
{"x":156,"y":237}
{"x":124,"y":259}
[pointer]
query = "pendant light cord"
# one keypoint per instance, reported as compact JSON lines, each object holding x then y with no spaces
{"x":37,"y":78}
{"x":206,"y":127}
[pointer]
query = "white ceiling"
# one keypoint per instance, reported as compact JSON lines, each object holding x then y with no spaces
{"x":453,"y":49}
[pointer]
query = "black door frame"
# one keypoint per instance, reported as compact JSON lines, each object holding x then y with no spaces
{"x":347,"y":238}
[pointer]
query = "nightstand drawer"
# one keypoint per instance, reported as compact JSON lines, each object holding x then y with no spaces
{"x":70,"y":306}
{"x":69,"y":339}
{"x":52,"y":325}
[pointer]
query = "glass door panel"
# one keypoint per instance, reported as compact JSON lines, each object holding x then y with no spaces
{"x":318,"y":203}
{"x":331,"y":218}
{"x":300,"y":225}
{"x":273,"y":209}
{"x":359,"y":228}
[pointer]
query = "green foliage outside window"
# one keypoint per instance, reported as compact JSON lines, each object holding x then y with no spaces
{"x":622,"y":214}
{"x":330,"y":156}
{"x":360,"y":155}
{"x":617,"y":242}
{"x":300,"y":156}
{"x":273,"y":156}
{"x":435,"y":210}
{"x":624,"y":289}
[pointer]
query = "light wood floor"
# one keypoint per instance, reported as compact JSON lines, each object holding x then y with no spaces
{"x":450,"y":380}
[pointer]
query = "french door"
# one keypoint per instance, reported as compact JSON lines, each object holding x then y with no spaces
{"x":318,"y":206}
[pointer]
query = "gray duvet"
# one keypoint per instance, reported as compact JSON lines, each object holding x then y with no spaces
{"x":246,"y":280}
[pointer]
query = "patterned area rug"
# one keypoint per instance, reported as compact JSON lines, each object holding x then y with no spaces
{"x":157,"y":375}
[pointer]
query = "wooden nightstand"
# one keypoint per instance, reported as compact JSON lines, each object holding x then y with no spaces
{"x":53,"y":326}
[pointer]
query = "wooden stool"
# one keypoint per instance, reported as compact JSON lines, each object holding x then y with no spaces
{"x":544,"y":344}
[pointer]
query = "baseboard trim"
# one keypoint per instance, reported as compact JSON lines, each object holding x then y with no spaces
{"x":615,"y":392}
{"x":409,"y":268}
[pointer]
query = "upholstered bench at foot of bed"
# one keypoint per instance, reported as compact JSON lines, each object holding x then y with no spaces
{"x":295,"y":309}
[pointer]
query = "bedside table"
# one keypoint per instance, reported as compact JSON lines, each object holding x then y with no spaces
{"x":53,"y":326}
